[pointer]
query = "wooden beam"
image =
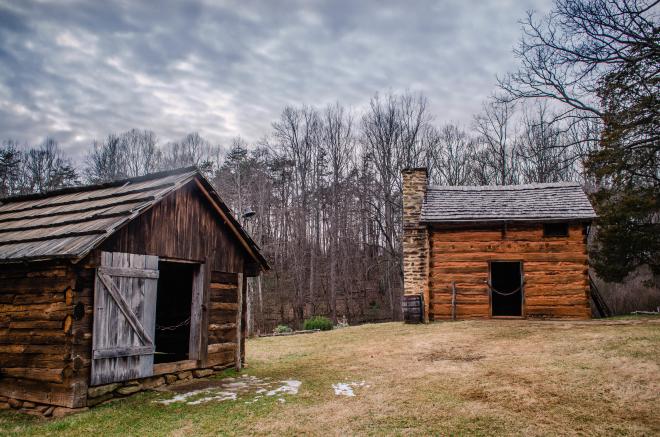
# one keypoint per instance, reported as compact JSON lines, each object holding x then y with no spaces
{"x":239,"y":322}
{"x":221,"y":347}
{"x":122,"y":352}
{"x":129,"y":272}
{"x":177,"y":366}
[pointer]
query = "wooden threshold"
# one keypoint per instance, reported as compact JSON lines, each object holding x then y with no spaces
{"x":176,"y":366}
{"x":508,"y":317}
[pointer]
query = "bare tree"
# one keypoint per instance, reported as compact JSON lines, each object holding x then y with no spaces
{"x":338,"y":143}
{"x":46,"y":168}
{"x":496,"y":157}
{"x":451,"y":161}
{"x":193,"y":149}
{"x":393,"y":132}
{"x":141,"y":152}
{"x":106,"y":161}
{"x":10,"y":170}
{"x":565,"y":55}
{"x":546,"y":153}
{"x":298,"y":139}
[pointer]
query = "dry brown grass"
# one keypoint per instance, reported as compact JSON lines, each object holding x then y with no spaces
{"x":460,"y":378}
{"x":491,"y":377}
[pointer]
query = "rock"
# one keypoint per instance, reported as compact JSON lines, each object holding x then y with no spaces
{"x":151,"y":383}
{"x":130,"y":389}
{"x":133,"y":382}
{"x":100,"y":390}
{"x":185,"y":375}
{"x":202,"y":373}
{"x":63,"y":411}
{"x":99,"y":399}
{"x":41,"y":408}
{"x":169,"y":379}
{"x":49,"y":411}
{"x":31,"y":412}
{"x":29,"y":404}
{"x":4,"y":398}
{"x":5,"y":406}
{"x":15,"y":403}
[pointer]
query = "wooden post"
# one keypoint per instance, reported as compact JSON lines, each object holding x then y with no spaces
{"x":239,"y":322}
{"x":453,"y":300}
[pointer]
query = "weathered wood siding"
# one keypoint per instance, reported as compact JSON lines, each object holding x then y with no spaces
{"x":124,"y":317}
{"x":37,"y":338}
{"x":184,"y":226}
{"x":554,"y":269}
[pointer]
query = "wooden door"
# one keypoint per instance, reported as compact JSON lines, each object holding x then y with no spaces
{"x":124,"y":317}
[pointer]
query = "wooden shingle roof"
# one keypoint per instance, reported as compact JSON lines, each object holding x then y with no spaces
{"x":506,"y":203}
{"x":69,"y":223}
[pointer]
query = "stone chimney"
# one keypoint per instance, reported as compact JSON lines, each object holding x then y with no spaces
{"x":415,"y":236}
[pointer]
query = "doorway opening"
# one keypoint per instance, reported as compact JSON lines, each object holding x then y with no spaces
{"x":173,"y":309}
{"x":506,"y":289}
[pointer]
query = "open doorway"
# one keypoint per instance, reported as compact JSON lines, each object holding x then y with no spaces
{"x":506,"y":288}
{"x":173,"y":309}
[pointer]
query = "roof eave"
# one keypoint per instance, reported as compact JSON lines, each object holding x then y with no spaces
{"x":508,"y":220}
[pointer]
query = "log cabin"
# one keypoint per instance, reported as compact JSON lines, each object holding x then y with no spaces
{"x":512,"y":251}
{"x":109,"y":289}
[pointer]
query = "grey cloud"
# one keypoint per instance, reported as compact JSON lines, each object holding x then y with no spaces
{"x":78,"y":70}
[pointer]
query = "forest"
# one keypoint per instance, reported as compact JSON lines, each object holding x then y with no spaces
{"x":325,"y":181}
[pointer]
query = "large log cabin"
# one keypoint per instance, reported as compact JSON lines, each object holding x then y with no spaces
{"x":109,"y":289}
{"x":514,"y":251}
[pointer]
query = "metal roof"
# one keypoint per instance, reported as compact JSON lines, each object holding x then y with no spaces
{"x":69,"y":223}
{"x":506,"y":203}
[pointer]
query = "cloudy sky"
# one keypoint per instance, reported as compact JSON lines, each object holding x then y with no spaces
{"x":78,"y":70}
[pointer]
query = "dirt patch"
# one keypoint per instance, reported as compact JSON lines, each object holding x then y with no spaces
{"x":451,"y":355}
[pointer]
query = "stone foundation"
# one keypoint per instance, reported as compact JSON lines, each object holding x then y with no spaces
{"x":105,"y":393}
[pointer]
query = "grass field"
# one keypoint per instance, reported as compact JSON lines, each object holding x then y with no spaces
{"x":460,"y":378}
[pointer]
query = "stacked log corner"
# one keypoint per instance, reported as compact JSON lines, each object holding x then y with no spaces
{"x":39,"y":361}
{"x":415,"y":237}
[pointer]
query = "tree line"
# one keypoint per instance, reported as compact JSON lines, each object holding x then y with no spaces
{"x":326,"y":188}
{"x":325,"y":182}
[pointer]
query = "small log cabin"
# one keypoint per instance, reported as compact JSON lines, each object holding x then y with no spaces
{"x":514,"y":251}
{"x":109,"y":289}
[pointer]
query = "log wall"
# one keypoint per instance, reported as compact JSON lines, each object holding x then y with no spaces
{"x":554,"y":269}
{"x":37,"y":336}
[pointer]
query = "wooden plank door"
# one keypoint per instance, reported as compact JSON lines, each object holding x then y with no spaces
{"x":125,"y":292}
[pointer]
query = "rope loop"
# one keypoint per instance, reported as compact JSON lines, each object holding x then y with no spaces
{"x":173,"y":327}
{"x":501,"y":293}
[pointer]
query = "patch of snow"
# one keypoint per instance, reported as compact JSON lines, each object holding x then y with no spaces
{"x":183,"y":396}
{"x":343,"y":389}
{"x":346,"y":388}
{"x":222,"y":396}
{"x":229,"y":389}
{"x":290,"y":387}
